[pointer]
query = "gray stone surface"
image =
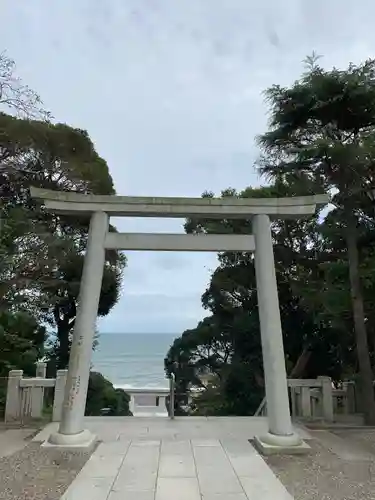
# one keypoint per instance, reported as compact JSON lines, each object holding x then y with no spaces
{"x":170,"y":469}
{"x":72,"y":415}
{"x":333,"y":470}
{"x":182,"y":428}
{"x":278,"y":411}
{"x":141,"y":206}
{"x":281,"y":449}
{"x":34,"y":473}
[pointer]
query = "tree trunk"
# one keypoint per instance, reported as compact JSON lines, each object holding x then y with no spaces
{"x":301,"y":363}
{"x":63,"y":346}
{"x":365,"y":370}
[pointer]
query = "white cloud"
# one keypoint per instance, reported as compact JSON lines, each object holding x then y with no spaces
{"x":171,"y":93}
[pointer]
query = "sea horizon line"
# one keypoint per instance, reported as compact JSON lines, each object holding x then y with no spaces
{"x":139,"y":333}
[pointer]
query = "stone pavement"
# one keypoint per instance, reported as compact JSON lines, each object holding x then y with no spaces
{"x":181,"y":428}
{"x":195,"y":469}
{"x":189,"y":458}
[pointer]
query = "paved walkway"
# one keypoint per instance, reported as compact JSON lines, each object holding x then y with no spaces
{"x":189,"y":458}
{"x":181,"y":428}
{"x":176,"y":470}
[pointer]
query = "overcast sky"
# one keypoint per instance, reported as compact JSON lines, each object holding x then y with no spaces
{"x":170,"y":91}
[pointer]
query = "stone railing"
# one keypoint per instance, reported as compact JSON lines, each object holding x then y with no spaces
{"x":347,"y":399}
{"x":25,"y":396}
{"x":312,"y":398}
{"x":148,"y":402}
{"x":309,"y":398}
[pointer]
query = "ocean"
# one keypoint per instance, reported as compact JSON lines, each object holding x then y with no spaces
{"x":133,"y":360}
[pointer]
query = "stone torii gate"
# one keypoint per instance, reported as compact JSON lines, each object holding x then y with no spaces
{"x":281,"y":434}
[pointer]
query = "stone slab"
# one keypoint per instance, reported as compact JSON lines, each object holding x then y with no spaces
{"x":210,"y":457}
{"x":218,"y":480}
{"x":199,"y":469}
{"x":206,"y":442}
{"x":177,"y":488}
{"x":214,"y":470}
{"x":174,"y":447}
{"x":177,"y":466}
{"x":179,"y":429}
{"x":135,"y":479}
{"x":90,"y":488}
{"x":84,"y":440}
{"x":225,"y":496}
{"x":131,"y":495}
{"x":102,"y":466}
{"x":110,"y":448}
{"x":269,"y":449}
{"x":258,"y":488}
{"x":255,"y":476}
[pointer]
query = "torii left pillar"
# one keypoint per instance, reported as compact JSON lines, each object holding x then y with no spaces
{"x":71,"y":431}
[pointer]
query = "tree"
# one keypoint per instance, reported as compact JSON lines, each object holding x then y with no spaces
{"x":42,"y":253}
{"x":15,"y":96}
{"x":22,"y":344}
{"x":104,"y":399}
{"x":64,"y":294}
{"x":313,"y":343}
{"x":323,"y":127}
{"x":205,"y":358}
{"x":32,"y":240}
{"x":298,"y":256}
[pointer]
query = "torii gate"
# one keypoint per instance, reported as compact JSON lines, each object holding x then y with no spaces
{"x":281,"y":434}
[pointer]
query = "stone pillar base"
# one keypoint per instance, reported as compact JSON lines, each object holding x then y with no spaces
{"x":84,"y":439}
{"x":272,"y":444}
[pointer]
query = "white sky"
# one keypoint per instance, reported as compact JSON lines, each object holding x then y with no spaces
{"x":170,"y":91}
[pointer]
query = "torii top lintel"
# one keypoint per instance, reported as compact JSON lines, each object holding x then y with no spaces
{"x":215,"y":208}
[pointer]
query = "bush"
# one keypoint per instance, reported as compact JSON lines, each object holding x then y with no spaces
{"x":104,"y":399}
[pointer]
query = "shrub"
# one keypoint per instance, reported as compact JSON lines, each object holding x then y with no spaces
{"x":104,"y":399}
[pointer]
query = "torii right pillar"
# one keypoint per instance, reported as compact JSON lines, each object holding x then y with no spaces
{"x":281,"y":437}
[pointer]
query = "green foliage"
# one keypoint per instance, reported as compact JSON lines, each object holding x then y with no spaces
{"x":323,"y":128}
{"x":22,"y":344}
{"x":64,"y":293}
{"x":41,"y":253}
{"x":209,"y":402}
{"x":104,"y":399}
{"x":226,"y":345}
{"x":35,"y":243}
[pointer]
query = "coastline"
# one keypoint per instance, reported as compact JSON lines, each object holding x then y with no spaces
{"x":132,"y":361}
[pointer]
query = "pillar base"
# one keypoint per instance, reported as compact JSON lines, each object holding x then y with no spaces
{"x":272,"y":444}
{"x":84,"y":439}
